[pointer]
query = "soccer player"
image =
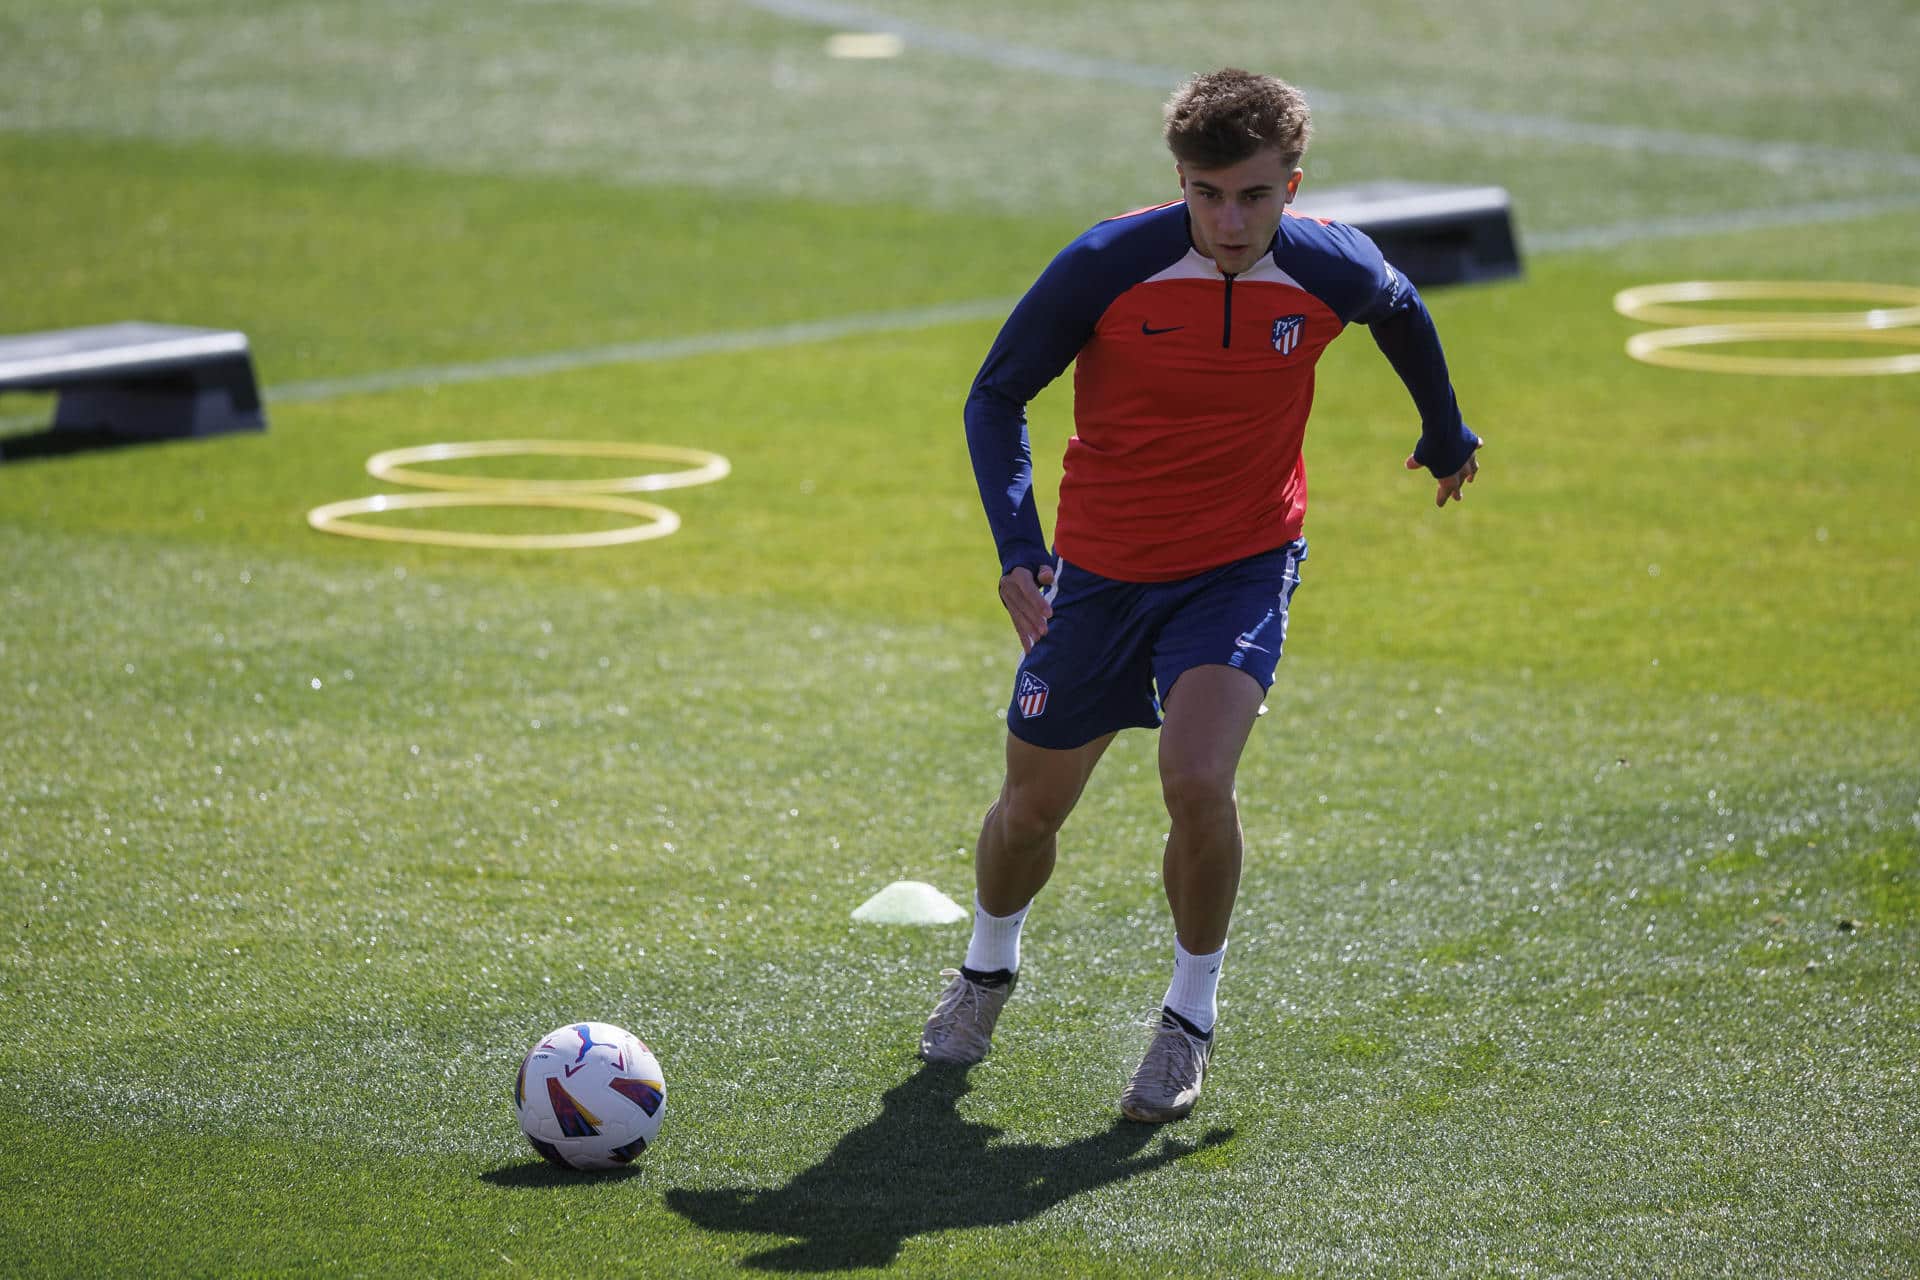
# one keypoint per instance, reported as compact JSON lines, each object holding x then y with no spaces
{"x":1194,"y":328}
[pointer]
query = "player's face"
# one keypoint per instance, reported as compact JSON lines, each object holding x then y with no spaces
{"x":1234,"y":212}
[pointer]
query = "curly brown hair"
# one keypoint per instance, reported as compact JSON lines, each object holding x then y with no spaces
{"x":1218,"y":119}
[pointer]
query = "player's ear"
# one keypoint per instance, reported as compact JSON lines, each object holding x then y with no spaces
{"x":1293,"y":184}
{"x":1180,"y":172}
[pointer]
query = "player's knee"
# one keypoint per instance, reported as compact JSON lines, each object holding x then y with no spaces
{"x":1030,"y":815}
{"x":1197,"y":794}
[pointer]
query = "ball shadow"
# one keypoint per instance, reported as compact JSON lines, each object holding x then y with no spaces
{"x":538,"y":1174}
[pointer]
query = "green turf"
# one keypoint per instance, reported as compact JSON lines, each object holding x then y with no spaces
{"x":1580,"y":924}
{"x":335,"y":267}
{"x":1008,"y":106}
{"x":1599,"y":982}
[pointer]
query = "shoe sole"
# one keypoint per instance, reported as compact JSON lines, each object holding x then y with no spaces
{"x":1143,"y":1115}
{"x":945,"y":1061}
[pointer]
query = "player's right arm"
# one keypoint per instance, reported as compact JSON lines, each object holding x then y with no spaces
{"x":1039,"y":340}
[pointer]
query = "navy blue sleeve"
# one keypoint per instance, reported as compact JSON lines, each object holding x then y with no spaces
{"x":1388,"y":304}
{"x":1039,"y":340}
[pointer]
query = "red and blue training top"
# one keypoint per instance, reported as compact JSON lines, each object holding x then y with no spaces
{"x":1191,"y":392}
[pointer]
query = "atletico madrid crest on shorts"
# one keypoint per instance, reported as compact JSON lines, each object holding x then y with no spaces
{"x":1030,"y":695}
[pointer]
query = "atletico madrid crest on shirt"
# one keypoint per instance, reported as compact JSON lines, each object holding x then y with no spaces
{"x":1286,"y":333}
{"x":1030,"y":695}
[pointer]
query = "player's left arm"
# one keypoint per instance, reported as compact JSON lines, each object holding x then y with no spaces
{"x":1403,"y":329}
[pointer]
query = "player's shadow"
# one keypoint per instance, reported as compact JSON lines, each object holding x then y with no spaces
{"x":920,"y":1167}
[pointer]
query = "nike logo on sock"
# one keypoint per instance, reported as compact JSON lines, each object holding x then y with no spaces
{"x":994,"y":978}
{"x":1170,"y":1018}
{"x":1150,"y":331}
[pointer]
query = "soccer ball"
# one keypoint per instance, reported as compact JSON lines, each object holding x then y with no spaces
{"x":590,"y":1096}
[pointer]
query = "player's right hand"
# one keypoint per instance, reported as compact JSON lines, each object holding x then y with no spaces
{"x":1020,"y":592}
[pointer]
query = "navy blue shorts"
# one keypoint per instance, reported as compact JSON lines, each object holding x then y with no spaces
{"x":1113,"y":649}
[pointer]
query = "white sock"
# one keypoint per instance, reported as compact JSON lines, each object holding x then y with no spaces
{"x":1196,"y":983}
{"x":996,"y":940}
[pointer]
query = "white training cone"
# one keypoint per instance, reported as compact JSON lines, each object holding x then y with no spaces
{"x":909,"y":902}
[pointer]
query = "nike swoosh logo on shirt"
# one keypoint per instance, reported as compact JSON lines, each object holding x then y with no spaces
{"x":1150,"y":330}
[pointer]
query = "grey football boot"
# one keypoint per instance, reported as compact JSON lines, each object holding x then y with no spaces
{"x":1168,"y":1082}
{"x":959,"y":1031}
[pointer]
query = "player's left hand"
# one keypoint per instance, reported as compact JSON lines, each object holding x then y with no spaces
{"x":1451,"y":487}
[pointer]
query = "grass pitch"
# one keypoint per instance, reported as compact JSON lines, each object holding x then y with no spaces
{"x":1579,"y":926}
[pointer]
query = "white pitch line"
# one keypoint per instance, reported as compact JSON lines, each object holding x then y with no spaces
{"x":1774,"y":156}
{"x":702,"y":344}
{"x":1685,"y":226}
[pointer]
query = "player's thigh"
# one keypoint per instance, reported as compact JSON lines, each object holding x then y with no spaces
{"x":1209,"y":714}
{"x":1044,"y":783}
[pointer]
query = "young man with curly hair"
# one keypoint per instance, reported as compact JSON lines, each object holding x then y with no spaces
{"x":1194,"y":328}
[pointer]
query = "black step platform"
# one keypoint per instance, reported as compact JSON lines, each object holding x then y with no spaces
{"x":1432,"y":233}
{"x":139,"y":381}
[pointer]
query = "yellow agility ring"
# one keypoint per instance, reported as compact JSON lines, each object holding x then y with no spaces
{"x":1666,"y":347}
{"x":336,"y":517}
{"x":702,"y":467}
{"x":1650,"y":302}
